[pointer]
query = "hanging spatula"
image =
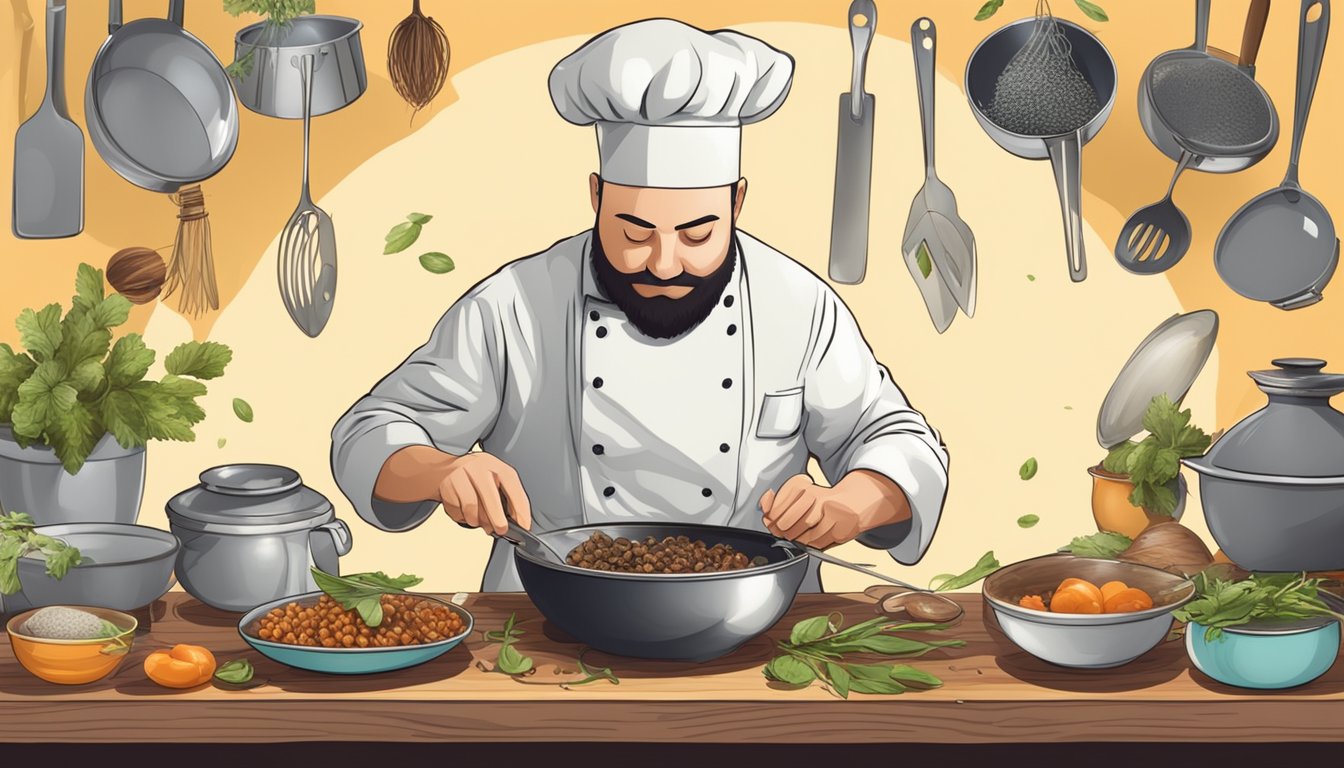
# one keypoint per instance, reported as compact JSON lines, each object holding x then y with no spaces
{"x":49,"y":153}
{"x":934,"y":229}
{"x":854,"y":157}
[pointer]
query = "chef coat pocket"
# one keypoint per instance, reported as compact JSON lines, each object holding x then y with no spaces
{"x":781,"y":414}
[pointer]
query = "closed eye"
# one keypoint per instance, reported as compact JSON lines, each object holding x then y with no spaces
{"x":698,"y":235}
{"x":638,"y":235}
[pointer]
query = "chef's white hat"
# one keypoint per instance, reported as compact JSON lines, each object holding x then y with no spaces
{"x":670,"y":100}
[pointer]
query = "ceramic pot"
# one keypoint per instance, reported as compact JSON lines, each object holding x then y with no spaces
{"x":1113,"y":512}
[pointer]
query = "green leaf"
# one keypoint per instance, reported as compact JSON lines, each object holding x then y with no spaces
{"x":1028,"y":469}
{"x":1031,"y":278}
{"x":160,"y":409}
{"x":401,"y":237}
{"x":1093,"y":11}
{"x":14,"y":370}
{"x":88,"y":287}
{"x":885,"y":687}
{"x":1117,"y":459}
{"x":438,"y":263}
{"x":809,"y":630}
{"x":198,"y":359}
{"x":180,"y":394}
{"x":220,"y":442}
{"x":87,"y":376}
{"x":418,"y":218}
{"x":40,"y":331}
{"x":45,"y":394}
{"x":82,"y":340}
{"x":986,"y":565}
{"x":380,"y":580}
{"x":923,"y":261}
{"x":242,"y":410}
{"x":839,"y":678}
{"x":1028,"y":521}
{"x":1105,"y":545}
{"x":111,"y":311}
{"x":73,"y":433}
{"x":890,"y":645}
{"x":235,"y":672}
{"x":128,"y":361}
{"x":904,"y":673}
{"x":790,"y":670}
{"x":511,"y":662}
{"x":61,"y":560}
{"x":124,"y":419}
{"x":988,"y":9}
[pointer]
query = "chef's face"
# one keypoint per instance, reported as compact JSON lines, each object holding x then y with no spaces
{"x":665,"y":241}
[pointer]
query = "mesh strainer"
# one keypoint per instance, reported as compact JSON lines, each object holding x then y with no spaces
{"x":1192,"y":100}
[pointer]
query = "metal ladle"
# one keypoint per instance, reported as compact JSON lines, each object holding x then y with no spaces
{"x":532,"y":544}
{"x":937,"y":608}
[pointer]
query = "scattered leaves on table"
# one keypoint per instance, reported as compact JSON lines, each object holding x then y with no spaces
{"x":1028,"y":521}
{"x":510,"y":661}
{"x":236,"y":672}
{"x":438,"y":263}
{"x":242,"y":410}
{"x":817,"y":648}
{"x":947,"y":582}
{"x":1028,"y":469}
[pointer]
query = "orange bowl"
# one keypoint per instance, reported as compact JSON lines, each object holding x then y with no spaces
{"x":72,"y":662}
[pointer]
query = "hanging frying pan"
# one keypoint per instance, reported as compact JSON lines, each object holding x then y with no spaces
{"x":160,"y":109}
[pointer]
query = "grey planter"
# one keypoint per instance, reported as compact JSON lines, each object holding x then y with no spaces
{"x":107,"y":489}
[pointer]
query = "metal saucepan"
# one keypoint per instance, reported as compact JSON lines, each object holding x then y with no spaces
{"x":159,"y":106}
{"x":688,"y":617}
{"x":1094,"y":62}
{"x":1197,"y":130}
{"x":274,"y":82}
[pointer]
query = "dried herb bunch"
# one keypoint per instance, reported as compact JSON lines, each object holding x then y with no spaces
{"x":417,"y":58}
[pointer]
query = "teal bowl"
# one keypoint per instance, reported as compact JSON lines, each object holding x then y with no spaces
{"x":1266,"y":656}
{"x":349,"y":661}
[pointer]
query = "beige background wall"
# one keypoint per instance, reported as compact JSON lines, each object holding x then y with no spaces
{"x":1023,"y":378}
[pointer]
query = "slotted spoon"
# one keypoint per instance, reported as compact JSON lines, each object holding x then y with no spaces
{"x":307,"y":264}
{"x":1158,"y":235}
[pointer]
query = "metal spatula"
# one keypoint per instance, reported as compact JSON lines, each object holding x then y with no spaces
{"x":945,"y":239}
{"x":854,"y":157}
{"x":49,"y":153}
{"x":307,"y":263}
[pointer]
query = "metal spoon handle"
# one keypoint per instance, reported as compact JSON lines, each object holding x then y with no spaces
{"x":861,"y":38}
{"x":822,"y":556}
{"x":923,"y":38}
{"x":1310,"y":52}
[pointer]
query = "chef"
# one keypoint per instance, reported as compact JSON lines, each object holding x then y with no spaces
{"x":661,"y":366}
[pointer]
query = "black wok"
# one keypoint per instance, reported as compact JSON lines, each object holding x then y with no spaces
{"x":686,"y":617}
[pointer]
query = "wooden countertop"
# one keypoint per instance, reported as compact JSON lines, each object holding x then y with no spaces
{"x":992,"y":692}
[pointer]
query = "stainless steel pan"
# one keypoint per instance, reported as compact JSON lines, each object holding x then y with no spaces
{"x":273,"y":85}
{"x":159,"y":106}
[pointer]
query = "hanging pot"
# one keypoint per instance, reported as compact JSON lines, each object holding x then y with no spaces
{"x":273,"y":85}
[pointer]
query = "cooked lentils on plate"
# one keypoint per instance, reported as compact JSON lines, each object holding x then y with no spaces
{"x":670,"y":554}
{"x":407,"y":620}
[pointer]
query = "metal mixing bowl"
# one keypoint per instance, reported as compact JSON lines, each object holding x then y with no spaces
{"x":124,"y":567}
{"x":687,"y":617}
{"x":1088,"y":641}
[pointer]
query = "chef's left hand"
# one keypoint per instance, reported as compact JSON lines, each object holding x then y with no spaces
{"x":821,"y":517}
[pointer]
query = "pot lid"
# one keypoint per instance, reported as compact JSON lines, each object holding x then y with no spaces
{"x":249,"y":494}
{"x":1165,"y":363}
{"x":1297,"y":434}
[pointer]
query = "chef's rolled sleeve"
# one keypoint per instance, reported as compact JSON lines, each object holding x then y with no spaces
{"x":444,"y":395}
{"x":857,"y":418}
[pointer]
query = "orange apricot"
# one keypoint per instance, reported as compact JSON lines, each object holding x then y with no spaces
{"x":1076,"y":598}
{"x":1091,"y":589}
{"x":1129,"y":600}
{"x":1033,"y":602}
{"x":185,"y":666}
{"x":1111,"y":588}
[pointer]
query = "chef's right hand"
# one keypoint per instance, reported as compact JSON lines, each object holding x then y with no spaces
{"x":475,"y":489}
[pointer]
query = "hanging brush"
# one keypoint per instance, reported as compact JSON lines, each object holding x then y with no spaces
{"x":417,"y":58}
{"x":192,"y":267}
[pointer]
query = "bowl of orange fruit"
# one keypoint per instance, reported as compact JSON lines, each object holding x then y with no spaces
{"x":1083,"y":612}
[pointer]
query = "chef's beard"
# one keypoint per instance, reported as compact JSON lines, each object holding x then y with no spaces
{"x":662,"y":317}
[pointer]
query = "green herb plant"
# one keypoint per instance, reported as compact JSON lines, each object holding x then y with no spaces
{"x":1152,"y":463}
{"x":362,"y":592}
{"x":1223,"y":603}
{"x":511,"y":662}
{"x":18,"y":539}
{"x":72,"y":385}
{"x":1091,"y":10}
{"x":277,"y":13}
{"x":818,"y":649}
{"x":1104,"y":544}
{"x":948,"y":582}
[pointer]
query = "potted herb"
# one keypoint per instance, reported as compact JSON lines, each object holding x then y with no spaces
{"x":1139,"y":483}
{"x":76,"y":410}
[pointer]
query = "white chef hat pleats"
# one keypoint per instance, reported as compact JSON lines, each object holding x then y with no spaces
{"x":669,"y":100}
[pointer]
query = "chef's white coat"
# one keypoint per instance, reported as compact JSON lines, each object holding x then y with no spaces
{"x":604,"y":424}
